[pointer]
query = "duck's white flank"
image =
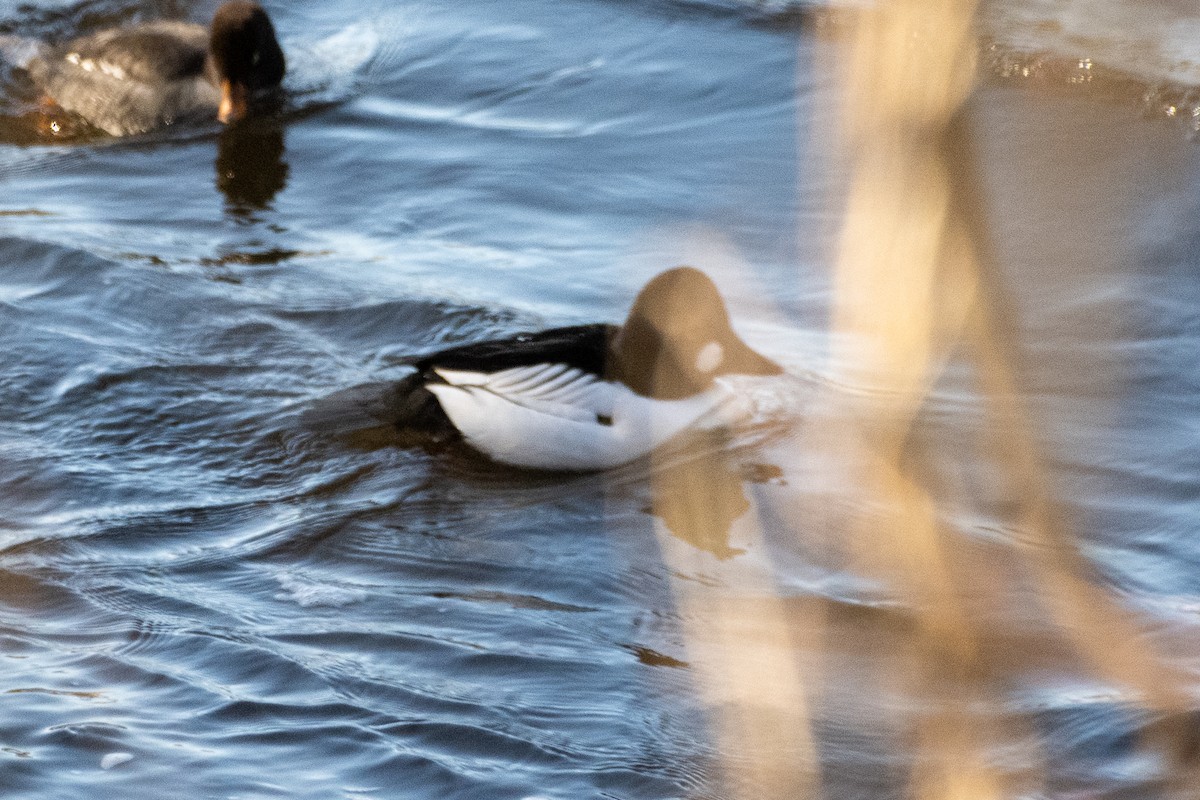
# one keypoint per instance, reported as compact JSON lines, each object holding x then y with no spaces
{"x":551,"y":416}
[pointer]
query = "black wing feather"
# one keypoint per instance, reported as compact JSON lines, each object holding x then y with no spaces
{"x":584,"y":347}
{"x":409,"y":405}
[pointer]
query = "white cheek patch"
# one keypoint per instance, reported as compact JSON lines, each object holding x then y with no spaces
{"x":709,"y":357}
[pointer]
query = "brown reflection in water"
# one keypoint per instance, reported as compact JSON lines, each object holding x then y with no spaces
{"x":35,"y":124}
{"x":250,"y":166}
{"x":699,"y":499}
{"x":743,"y":641}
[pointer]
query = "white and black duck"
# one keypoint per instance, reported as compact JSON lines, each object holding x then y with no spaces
{"x":585,"y":397}
{"x":132,"y":80}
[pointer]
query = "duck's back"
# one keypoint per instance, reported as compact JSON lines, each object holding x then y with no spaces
{"x":408,"y":404}
{"x":130,"y":80}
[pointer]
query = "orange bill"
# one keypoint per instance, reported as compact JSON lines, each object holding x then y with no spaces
{"x":234,"y":102}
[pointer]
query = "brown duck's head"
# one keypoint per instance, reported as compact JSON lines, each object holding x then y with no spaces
{"x":677,"y":338}
{"x":244,"y":56}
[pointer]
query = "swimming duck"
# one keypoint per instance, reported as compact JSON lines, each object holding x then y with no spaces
{"x":132,"y":80}
{"x":585,"y":397}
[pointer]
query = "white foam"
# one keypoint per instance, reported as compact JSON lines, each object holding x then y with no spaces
{"x":111,"y":760}
{"x":307,"y":593}
{"x":330,"y":67}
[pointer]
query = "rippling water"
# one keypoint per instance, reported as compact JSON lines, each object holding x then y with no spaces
{"x":249,"y":609}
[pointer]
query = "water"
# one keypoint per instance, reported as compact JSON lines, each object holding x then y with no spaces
{"x":249,"y":609}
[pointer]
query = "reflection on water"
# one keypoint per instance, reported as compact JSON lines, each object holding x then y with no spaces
{"x":742,"y":638}
{"x":699,"y":498}
{"x":250,"y":165}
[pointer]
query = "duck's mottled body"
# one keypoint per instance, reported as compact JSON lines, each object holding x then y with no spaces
{"x":132,"y":80}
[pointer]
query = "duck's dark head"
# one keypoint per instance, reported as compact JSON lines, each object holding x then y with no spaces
{"x":244,"y":56}
{"x":678,"y":338}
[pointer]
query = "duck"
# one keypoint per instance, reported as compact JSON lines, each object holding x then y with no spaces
{"x":133,"y":80}
{"x":584,"y":397}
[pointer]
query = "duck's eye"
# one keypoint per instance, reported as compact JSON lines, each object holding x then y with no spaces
{"x":255,"y":58}
{"x":709,"y":357}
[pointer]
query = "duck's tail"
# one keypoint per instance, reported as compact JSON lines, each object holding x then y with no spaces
{"x":19,"y":51}
{"x":405,"y":404}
